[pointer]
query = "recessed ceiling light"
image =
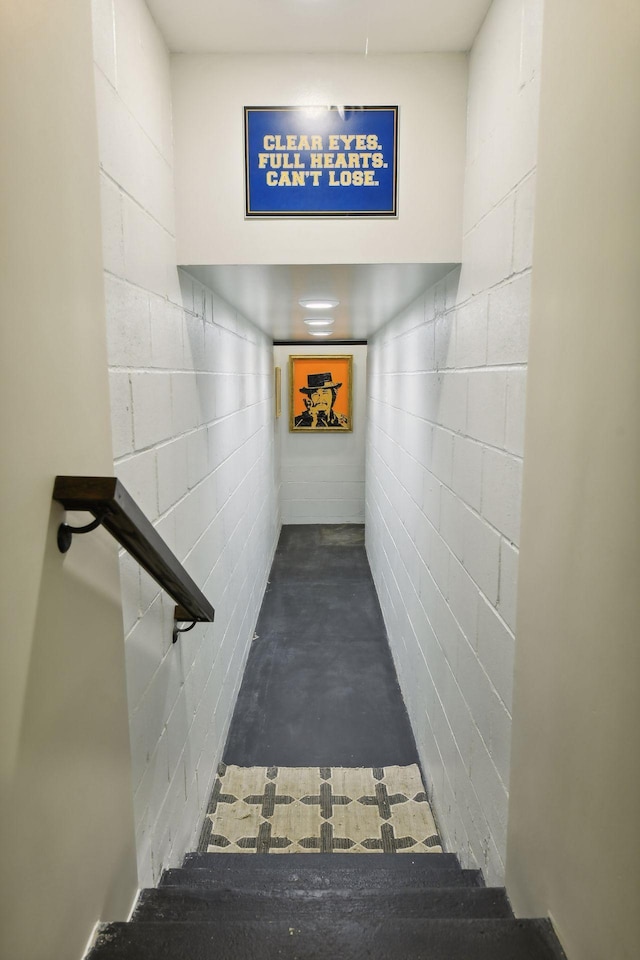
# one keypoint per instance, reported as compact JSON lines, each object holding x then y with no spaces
{"x":319,"y":304}
{"x":320,"y":322}
{"x":321,"y":333}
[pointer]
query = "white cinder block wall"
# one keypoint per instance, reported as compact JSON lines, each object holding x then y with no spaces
{"x":446,"y":403}
{"x":192,"y":411}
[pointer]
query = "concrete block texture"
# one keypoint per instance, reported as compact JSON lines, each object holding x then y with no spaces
{"x":446,"y":408}
{"x":190,"y":387}
{"x":508,"y":328}
{"x":128,"y":327}
{"x":501,"y":486}
{"x":151,"y":399}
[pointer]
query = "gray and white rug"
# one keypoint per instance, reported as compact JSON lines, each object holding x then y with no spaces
{"x":319,"y":810}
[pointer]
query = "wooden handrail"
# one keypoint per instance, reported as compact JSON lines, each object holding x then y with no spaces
{"x":108,"y":501}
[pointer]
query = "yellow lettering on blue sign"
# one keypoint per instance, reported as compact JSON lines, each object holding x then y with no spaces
{"x":295,"y":178}
{"x":292,"y":141}
{"x":352,"y":178}
{"x":343,"y":141}
{"x":300,"y":158}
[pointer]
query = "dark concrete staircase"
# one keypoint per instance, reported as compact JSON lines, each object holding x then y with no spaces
{"x":324,"y":907}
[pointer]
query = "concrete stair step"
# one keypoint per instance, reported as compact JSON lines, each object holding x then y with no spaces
{"x":200,"y":903}
{"x":283,"y":881}
{"x":396,"y":939}
{"x":332,"y":862}
{"x":317,"y":871}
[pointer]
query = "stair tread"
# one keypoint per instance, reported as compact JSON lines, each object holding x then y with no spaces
{"x":327,"y":861}
{"x":492,"y":939}
{"x":198,"y":903}
{"x":319,"y":870}
{"x":319,"y":879}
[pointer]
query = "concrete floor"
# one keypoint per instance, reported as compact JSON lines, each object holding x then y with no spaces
{"x":320,"y":687}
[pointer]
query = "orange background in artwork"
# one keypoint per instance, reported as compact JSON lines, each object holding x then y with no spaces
{"x":339,"y":370}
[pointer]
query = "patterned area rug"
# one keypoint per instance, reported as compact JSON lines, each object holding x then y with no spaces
{"x":319,"y":810}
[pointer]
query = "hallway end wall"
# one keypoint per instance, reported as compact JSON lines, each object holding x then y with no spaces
{"x":323,"y":475}
{"x":446,"y":417}
{"x":194,"y":439}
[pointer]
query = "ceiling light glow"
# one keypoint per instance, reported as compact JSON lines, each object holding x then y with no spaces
{"x":321,"y":333}
{"x":319,"y":304}
{"x":320,"y":322}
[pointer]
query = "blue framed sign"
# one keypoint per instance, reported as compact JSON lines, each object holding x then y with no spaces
{"x":321,"y":161}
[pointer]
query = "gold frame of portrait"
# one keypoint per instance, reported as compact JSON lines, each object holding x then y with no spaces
{"x":300,"y":366}
{"x":277,"y":386}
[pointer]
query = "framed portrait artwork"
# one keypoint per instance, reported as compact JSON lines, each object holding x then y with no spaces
{"x":321,"y":398}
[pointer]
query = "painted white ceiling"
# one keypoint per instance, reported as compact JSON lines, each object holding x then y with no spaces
{"x":318,"y":26}
{"x":369,"y":294}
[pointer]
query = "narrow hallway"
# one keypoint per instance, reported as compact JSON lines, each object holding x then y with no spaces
{"x":320,"y":755}
{"x":321,"y":760}
{"x":484,"y":293}
{"x":320,"y":687}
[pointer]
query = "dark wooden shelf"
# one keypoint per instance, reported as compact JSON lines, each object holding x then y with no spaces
{"x":106,"y":497}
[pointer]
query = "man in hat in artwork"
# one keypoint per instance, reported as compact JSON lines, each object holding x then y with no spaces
{"x":320,"y":395}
